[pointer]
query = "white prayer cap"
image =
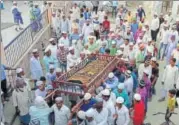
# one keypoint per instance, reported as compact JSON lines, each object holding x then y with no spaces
{"x":165,"y":25}
{"x":71,"y":48}
{"x":149,"y":39}
{"x":35,"y":50}
{"x":120,"y":100}
{"x":51,"y":39}
{"x":80,"y":35}
{"x":39,"y":101}
{"x":74,"y":41}
{"x":58,"y":70}
{"x":113,"y":34}
{"x":112,"y":29}
{"x":111,"y":75}
{"x":105,"y":92}
{"x":96,"y":16}
{"x":60,"y":44}
{"x":155,"y":14}
{"x":47,"y":49}
{"x":88,"y":20}
{"x":39,"y":83}
{"x":103,"y":43}
{"x":146,"y":71}
{"x":144,"y":29}
{"x":121,"y":86}
{"x":81,"y":114}
{"x":19,"y":70}
{"x":146,"y":23}
{"x":14,"y":2}
{"x":113,"y":42}
{"x":91,"y":37}
{"x":36,"y":4}
{"x":87,"y":96}
{"x":154,"y":59}
{"x":166,"y":18}
{"x":51,"y":67}
{"x":122,"y":46}
{"x":64,"y":32}
{"x":131,"y":44}
{"x":177,"y":19}
{"x":119,"y":52}
{"x":58,"y":99}
{"x":137,"y":97}
{"x":89,"y":113}
{"x":128,"y":73}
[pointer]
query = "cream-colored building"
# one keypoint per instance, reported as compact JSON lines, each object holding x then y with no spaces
{"x":166,"y":6}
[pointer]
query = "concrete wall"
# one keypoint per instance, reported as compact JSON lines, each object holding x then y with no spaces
{"x":42,"y":39}
{"x":175,"y":9}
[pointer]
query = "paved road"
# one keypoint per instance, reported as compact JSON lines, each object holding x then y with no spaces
{"x":153,"y":106}
{"x":9,"y":34}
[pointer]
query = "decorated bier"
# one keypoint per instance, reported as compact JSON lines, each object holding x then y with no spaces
{"x":86,"y":76}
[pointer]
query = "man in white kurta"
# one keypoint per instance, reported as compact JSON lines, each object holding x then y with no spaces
{"x":144,"y":66}
{"x":71,"y":59}
{"x":154,"y":27}
{"x":126,"y":48}
{"x":53,"y":47}
{"x":75,"y":12}
{"x":56,"y":23}
{"x":21,"y":99}
{"x":62,"y":112}
{"x":35,"y":66}
{"x":122,"y":112}
{"x":100,"y":113}
{"x":87,"y":29}
{"x":64,"y":40}
{"x":108,"y":103}
{"x":90,"y":117}
{"x":170,"y":76}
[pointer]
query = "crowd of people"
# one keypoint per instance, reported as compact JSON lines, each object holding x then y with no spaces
{"x":123,"y":96}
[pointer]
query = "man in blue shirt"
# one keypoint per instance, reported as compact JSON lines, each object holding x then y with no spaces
{"x":112,"y":81}
{"x":141,"y":12}
{"x":115,"y":7}
{"x":4,"y":80}
{"x":134,"y":26}
{"x":74,"y":35}
{"x":121,"y":92}
{"x":88,"y":102}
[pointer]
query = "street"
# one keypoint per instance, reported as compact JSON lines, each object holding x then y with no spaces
{"x":7,"y":23}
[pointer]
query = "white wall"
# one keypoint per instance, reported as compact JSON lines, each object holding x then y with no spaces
{"x":175,"y":9}
{"x":157,"y":7}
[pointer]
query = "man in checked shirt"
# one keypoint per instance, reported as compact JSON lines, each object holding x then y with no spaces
{"x":62,"y":57}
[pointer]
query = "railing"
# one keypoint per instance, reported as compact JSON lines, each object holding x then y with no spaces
{"x":20,"y":44}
